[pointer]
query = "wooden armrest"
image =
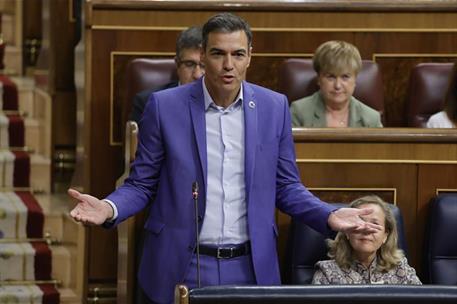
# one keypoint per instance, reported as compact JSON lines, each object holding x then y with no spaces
{"x":126,"y":231}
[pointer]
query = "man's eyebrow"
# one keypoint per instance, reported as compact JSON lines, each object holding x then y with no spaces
{"x":213,"y":49}
{"x":242,"y":50}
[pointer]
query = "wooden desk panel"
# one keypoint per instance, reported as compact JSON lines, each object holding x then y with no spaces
{"x":414,"y":166}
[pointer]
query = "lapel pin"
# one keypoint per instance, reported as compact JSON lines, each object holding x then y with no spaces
{"x":251,"y":104}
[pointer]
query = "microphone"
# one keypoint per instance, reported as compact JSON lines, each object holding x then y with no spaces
{"x":195,"y":190}
{"x":197,"y":236}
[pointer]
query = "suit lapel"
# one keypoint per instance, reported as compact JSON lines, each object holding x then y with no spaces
{"x":319,"y":120}
{"x":250,"y":130}
{"x":197,"y":111}
{"x":355,"y":115}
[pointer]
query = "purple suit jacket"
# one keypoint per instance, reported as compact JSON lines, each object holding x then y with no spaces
{"x":171,"y":155}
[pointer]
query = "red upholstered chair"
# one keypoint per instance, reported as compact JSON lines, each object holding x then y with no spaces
{"x":142,"y":74}
{"x":298,"y":79}
{"x":427,"y":87}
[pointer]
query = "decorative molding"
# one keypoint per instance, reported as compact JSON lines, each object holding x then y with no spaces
{"x":374,"y":135}
{"x":283,"y":5}
{"x":439,"y":191}
{"x":54,"y":282}
{"x":413,"y":55}
{"x":283,"y":29}
{"x":350,"y":189}
{"x":374,"y":161}
{"x":288,"y":55}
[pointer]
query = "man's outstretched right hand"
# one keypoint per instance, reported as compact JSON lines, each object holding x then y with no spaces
{"x":90,"y":210}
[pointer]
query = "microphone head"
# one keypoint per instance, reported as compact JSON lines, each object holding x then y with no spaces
{"x":195,"y":190}
{"x":195,"y":186}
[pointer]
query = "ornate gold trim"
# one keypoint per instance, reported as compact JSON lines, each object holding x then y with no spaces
{"x":20,"y":113}
{"x":14,"y":189}
{"x":181,"y":294}
{"x":24,"y":260}
{"x":376,"y":161}
{"x":17,"y":149}
{"x":24,"y":282}
{"x":394,"y":190}
{"x":46,"y":239}
{"x":111,"y":86}
{"x":438,"y":190}
{"x":18,"y":214}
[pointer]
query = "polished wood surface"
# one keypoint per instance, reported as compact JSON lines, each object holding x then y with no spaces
{"x":395,"y":34}
{"x":279,"y":5}
{"x":409,"y":170}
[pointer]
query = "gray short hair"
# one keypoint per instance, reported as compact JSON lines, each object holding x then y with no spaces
{"x":337,"y":57}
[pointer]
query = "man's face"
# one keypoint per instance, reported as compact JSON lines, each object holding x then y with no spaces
{"x":189,"y":66}
{"x":226,"y":58}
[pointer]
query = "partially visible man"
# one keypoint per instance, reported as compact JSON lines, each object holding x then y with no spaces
{"x":188,"y":67}
{"x":234,"y":139}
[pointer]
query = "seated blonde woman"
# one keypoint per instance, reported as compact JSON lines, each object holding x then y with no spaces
{"x":367,"y":258}
{"x":337,"y":64}
{"x":448,"y":117}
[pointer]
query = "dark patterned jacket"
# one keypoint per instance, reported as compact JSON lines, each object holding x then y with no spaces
{"x":328,"y":272}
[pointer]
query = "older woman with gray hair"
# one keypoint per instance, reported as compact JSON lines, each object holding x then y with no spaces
{"x":359,"y":258}
{"x":337,"y":64}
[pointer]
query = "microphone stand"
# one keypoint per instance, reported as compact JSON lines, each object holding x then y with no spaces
{"x":197,"y":236}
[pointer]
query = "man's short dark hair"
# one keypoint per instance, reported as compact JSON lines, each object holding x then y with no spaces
{"x":190,"y":38}
{"x":225,"y":23}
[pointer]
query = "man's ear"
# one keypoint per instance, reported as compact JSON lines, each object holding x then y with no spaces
{"x":202,"y":53}
{"x":249,"y":55}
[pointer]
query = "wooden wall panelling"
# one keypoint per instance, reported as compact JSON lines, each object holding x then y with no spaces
{"x":281,"y":29}
{"x":55,"y":75}
{"x":104,"y":157}
{"x":111,"y":52}
{"x":357,"y":178}
{"x":32,"y":29}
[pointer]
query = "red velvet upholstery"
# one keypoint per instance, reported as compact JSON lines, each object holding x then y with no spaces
{"x":427,"y":87}
{"x":146,"y":73}
{"x":298,"y":79}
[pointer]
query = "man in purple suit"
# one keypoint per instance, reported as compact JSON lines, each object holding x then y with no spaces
{"x":234,"y":139}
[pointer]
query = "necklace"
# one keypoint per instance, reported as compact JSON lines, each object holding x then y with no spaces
{"x":337,"y":120}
